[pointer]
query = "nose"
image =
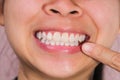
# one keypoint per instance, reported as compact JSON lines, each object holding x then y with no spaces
{"x":63,"y":8}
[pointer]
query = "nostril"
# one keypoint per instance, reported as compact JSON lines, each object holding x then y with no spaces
{"x":74,"y":12}
{"x":54,"y":11}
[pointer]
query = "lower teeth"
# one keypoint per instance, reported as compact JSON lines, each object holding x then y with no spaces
{"x":59,"y":43}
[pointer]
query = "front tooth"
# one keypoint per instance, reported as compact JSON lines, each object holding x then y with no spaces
{"x":39,"y":35}
{"x":64,"y":37}
{"x":49,"y":36}
{"x":56,"y":37}
{"x":82,"y":38}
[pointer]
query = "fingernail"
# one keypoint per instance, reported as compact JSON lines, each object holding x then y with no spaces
{"x":87,"y":47}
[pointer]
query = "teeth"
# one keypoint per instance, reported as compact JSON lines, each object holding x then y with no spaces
{"x":77,"y":37}
{"x":47,"y":42}
{"x":62,"y":43}
{"x":62,"y":39}
{"x":44,"y":36}
{"x":67,"y":44}
{"x":39,"y":35}
{"x":71,"y":38}
{"x":82,"y":38}
{"x":76,"y":43}
{"x":52,"y":43}
{"x":56,"y":37}
{"x":49,"y":36}
{"x":57,"y":43}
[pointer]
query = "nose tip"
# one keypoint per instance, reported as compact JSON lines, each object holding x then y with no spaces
{"x":63,"y":9}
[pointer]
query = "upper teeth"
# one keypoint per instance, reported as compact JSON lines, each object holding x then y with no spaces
{"x":63,"y":39}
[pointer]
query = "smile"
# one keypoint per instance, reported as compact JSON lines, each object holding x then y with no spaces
{"x":60,"y":41}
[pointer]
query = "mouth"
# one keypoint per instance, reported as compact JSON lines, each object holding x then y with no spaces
{"x":61,"y":42}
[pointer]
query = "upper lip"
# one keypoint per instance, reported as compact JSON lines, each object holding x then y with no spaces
{"x":62,"y":25}
{"x":61,"y":29}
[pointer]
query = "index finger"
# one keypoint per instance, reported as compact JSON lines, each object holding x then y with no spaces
{"x":102,"y":54}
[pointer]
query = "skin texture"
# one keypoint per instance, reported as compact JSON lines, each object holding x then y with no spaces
{"x":98,"y":19}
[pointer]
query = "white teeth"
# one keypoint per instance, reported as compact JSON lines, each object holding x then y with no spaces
{"x":62,"y":43}
{"x":49,"y":36}
{"x":67,"y":44}
{"x":43,"y":40}
{"x":57,"y":43}
{"x":62,"y":39}
{"x":82,"y":38}
{"x":44,"y":36}
{"x":71,"y":44}
{"x":71,"y":38}
{"x":76,"y":43}
{"x":56,"y":37}
{"x":52,"y":43}
{"x":47,"y":42}
{"x":39,"y":35}
{"x":76,"y":37}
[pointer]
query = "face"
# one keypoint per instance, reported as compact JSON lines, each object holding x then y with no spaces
{"x":47,"y":34}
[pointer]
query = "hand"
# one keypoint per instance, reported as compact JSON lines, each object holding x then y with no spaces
{"x":102,"y":54}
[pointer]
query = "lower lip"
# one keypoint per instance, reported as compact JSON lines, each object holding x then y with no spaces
{"x":58,"y":49}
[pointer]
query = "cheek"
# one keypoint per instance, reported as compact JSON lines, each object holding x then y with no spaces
{"x":21,"y":11}
{"x":108,"y":25}
{"x":106,"y":19}
{"x":17,"y":13}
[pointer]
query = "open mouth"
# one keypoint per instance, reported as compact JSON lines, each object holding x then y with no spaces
{"x":61,"y":41}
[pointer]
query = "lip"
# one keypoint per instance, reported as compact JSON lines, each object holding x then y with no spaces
{"x":58,"y":49}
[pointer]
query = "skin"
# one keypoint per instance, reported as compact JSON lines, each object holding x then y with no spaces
{"x":98,"y":19}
